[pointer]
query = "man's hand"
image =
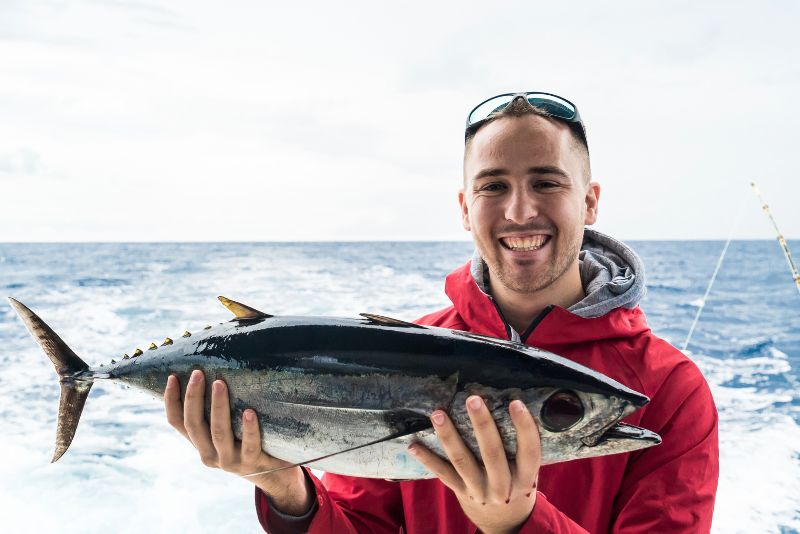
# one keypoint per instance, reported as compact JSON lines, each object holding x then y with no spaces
{"x":496,"y":496}
{"x":218,"y":448}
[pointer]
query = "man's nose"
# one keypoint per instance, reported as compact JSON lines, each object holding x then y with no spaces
{"x":521,"y":206}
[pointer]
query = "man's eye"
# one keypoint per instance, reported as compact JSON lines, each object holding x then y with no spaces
{"x":545,"y":185}
{"x":492,"y":187}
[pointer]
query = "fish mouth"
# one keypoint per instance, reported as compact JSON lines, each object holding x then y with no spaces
{"x":622,"y":437}
{"x":624,"y":431}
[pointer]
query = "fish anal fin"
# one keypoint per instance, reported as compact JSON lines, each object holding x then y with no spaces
{"x":382,"y":320}
{"x":242,"y":311}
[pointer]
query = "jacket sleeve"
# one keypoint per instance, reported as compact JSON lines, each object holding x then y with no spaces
{"x":672,"y":487}
{"x":547,"y":519}
{"x":346,"y":505}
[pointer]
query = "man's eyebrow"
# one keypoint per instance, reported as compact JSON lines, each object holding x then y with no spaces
{"x":548,"y":169}
{"x":490,"y":173}
{"x":543,"y":169}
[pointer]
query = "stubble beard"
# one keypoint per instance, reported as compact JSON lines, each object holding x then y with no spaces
{"x":531,"y":284}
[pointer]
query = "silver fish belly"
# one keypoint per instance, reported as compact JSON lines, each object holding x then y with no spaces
{"x":353,"y":394}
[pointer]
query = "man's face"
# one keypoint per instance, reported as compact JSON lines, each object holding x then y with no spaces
{"x":526,"y":200}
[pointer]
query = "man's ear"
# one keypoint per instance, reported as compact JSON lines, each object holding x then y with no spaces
{"x":462,"y":201}
{"x":592,"y":200}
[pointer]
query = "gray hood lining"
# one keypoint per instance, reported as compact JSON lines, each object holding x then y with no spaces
{"x":612,"y":275}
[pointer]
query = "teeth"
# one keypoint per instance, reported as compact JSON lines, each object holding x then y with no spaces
{"x":525,"y":243}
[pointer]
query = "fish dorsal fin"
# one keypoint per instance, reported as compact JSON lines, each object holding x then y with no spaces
{"x":388,"y":321}
{"x":242,"y":311}
{"x":405,"y":421}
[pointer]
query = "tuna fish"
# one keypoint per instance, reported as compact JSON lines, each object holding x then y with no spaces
{"x":350,"y":395}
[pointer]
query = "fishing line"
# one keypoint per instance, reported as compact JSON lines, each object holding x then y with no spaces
{"x":714,"y":275}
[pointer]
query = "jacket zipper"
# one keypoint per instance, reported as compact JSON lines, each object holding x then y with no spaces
{"x":536,"y":320}
{"x":528,"y":331}
{"x":502,"y":317}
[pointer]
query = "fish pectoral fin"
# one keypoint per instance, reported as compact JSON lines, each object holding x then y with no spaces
{"x":406,"y":422}
{"x":382,"y":320}
{"x":242,"y":311}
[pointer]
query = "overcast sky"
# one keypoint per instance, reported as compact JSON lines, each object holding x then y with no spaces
{"x":181,"y":120}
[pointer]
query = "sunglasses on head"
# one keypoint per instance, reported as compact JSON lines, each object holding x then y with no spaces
{"x":554,"y":105}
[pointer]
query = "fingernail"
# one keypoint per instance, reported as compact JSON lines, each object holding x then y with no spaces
{"x":474,"y":402}
{"x":517,"y":406}
{"x":170,"y":381}
{"x":218,"y":386}
{"x":196,"y":376}
{"x":249,"y":415}
{"x":412,"y":450}
{"x":437,"y":418}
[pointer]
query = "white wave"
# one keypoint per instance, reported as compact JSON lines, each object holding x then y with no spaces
{"x":128,"y":471}
{"x":746,"y":370}
{"x":759,"y":486}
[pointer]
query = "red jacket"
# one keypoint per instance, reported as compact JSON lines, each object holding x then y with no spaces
{"x":667,"y":488}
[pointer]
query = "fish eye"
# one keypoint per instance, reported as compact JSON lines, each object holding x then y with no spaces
{"x":561,"y":411}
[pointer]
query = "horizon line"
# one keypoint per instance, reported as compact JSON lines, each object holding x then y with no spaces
{"x":313,"y":241}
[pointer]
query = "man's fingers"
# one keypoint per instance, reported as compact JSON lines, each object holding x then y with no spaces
{"x":194,"y":419}
{"x":220,"y":425}
{"x":173,"y":405}
{"x":443,"y":470}
{"x":529,"y":447}
{"x":458,"y":453}
{"x":493,"y":453}
{"x":251,"y":439}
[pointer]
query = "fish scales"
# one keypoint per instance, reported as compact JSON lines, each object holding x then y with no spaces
{"x":323,"y":385}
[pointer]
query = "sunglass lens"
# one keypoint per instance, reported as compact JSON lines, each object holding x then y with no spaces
{"x":553,"y":106}
{"x":489,"y":107}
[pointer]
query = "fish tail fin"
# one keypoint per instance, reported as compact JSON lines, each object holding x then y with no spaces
{"x":75,"y":384}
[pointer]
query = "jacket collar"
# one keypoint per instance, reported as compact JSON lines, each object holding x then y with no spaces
{"x":613,"y":278}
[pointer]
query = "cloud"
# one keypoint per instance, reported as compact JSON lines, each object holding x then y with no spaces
{"x":23,"y":162}
{"x":64,"y":23}
{"x":335,"y":117}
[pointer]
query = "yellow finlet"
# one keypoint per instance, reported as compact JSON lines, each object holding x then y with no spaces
{"x":167,"y":341}
{"x":186,"y":333}
{"x":126,"y":357}
{"x":137,"y":352}
{"x":152,"y":346}
{"x":242,"y":311}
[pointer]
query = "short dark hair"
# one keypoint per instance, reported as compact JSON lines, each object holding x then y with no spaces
{"x":520,"y":107}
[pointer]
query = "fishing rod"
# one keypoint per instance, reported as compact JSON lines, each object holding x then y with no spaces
{"x":781,"y":239}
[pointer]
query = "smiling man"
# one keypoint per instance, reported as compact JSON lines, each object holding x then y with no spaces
{"x":527,"y":196}
{"x":538,"y":276}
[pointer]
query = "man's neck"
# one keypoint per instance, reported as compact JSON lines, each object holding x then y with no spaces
{"x":520,"y":309}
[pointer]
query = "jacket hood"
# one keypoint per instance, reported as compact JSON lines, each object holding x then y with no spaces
{"x":612,"y":275}
{"x":613,"y":280}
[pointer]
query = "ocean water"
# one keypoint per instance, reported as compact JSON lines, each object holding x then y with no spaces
{"x":128,"y":471}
